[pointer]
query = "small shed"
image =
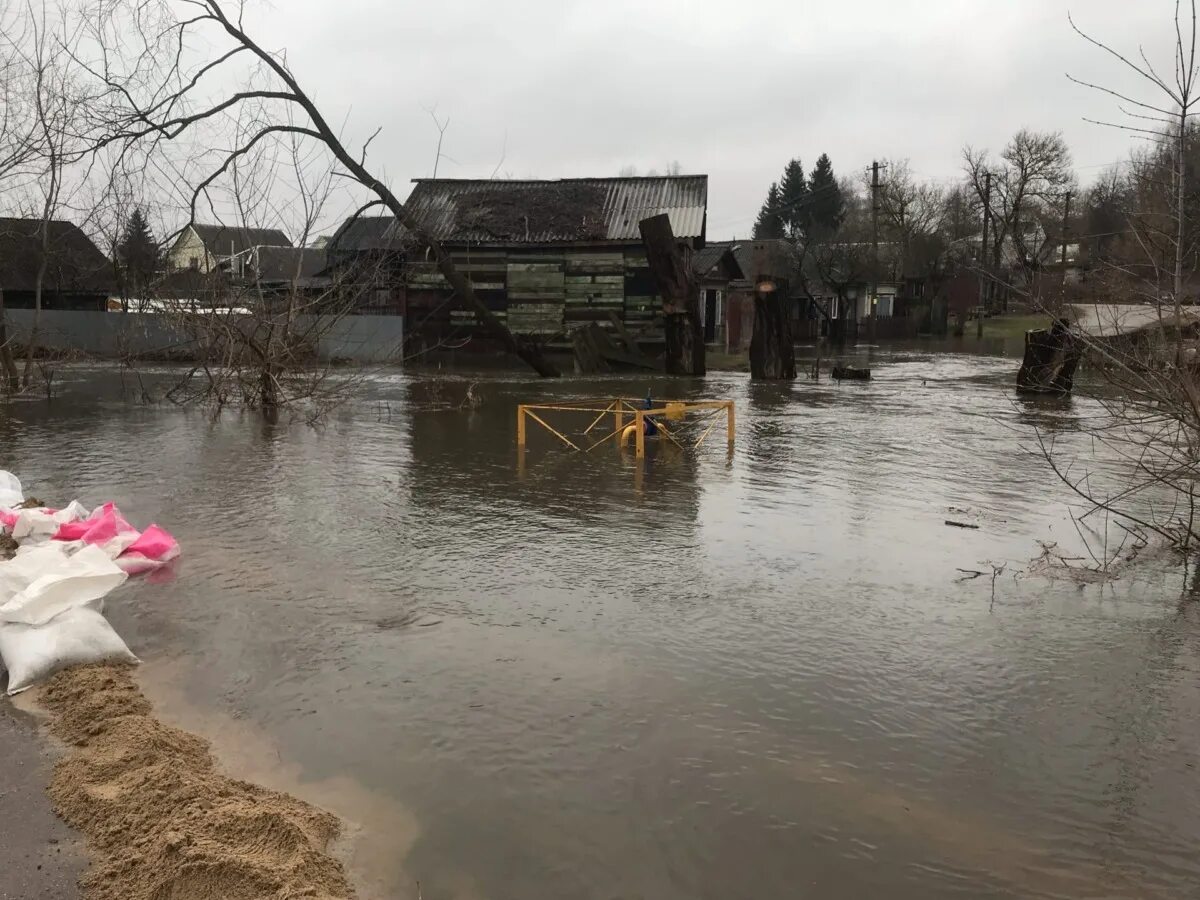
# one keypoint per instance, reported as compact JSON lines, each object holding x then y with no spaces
{"x":546,"y":256}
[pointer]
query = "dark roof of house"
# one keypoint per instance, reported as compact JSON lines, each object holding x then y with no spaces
{"x":705,"y":261}
{"x":74,"y":262}
{"x":362,"y":233}
{"x":591,"y":210}
{"x":772,"y":257}
{"x":289,"y":263}
{"x":223,"y":240}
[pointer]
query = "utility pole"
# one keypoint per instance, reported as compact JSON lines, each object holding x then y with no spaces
{"x":874,"y":298}
{"x":987,"y":216}
{"x":1065,"y":231}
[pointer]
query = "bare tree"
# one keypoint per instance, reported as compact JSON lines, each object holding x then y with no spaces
{"x":17,"y":148}
{"x":1143,"y":457}
{"x":1033,"y":171}
{"x":255,"y":323}
{"x":59,"y":145}
{"x":1167,"y":116}
{"x":918,"y":218}
{"x":150,"y":103}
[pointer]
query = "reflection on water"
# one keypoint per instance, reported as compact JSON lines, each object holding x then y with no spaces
{"x":699,"y":676}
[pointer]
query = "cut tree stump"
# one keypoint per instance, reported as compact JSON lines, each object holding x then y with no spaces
{"x":671,"y":265}
{"x":1051,"y":357}
{"x":772,"y":352}
{"x":850,"y":373}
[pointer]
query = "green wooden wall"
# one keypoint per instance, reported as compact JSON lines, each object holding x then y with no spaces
{"x":548,"y":292}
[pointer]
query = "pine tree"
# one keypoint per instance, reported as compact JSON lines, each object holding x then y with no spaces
{"x":769,"y":223}
{"x":827,"y":206}
{"x":793,"y":199}
{"x":138,"y":253}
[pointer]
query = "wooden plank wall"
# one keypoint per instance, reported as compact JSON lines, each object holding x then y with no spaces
{"x":643,"y":306}
{"x":536,"y":293}
{"x":595,"y":288}
{"x":546,"y":292}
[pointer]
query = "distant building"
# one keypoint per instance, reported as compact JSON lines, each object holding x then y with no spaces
{"x":717,"y":273}
{"x":544,"y":256}
{"x":208,"y":248}
{"x":285,"y":268}
{"x":78,"y":275}
{"x":366,"y":255}
{"x":771,"y":259}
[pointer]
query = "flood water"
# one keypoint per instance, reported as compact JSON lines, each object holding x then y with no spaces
{"x":701,"y":676}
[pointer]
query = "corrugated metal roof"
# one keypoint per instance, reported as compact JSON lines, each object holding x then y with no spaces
{"x":566,"y":210}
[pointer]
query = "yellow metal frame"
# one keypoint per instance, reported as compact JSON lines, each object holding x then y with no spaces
{"x":619,"y":408}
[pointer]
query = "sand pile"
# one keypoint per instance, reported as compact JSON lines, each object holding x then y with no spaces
{"x":160,"y":821}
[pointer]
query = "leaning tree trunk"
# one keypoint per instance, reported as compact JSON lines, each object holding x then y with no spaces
{"x":772,"y":352}
{"x":671,"y":267}
{"x":519,"y":346}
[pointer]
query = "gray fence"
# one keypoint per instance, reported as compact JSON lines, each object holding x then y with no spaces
{"x":366,"y":339}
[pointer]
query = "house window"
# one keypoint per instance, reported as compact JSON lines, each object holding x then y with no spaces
{"x":883,"y":306}
{"x":193,"y":262}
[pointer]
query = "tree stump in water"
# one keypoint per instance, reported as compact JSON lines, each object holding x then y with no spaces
{"x":772,"y":352}
{"x":1051,"y":356}
{"x":850,"y":373}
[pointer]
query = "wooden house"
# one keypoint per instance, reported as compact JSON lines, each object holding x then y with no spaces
{"x":717,"y":274}
{"x":545,"y":256}
{"x":78,"y":275}
{"x":366,"y":256}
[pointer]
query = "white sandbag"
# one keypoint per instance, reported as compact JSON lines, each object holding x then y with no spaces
{"x":43,"y":581}
{"x":10,"y":490}
{"x":78,"y":637}
{"x":39,"y":525}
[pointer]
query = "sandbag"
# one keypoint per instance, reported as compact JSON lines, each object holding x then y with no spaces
{"x":152,"y":550}
{"x":10,"y":490}
{"x":105,"y":527}
{"x":78,"y":637}
{"x":42,"y":581}
{"x":40,"y":525}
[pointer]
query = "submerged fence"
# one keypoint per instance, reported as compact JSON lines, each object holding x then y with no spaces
{"x":112,"y":335}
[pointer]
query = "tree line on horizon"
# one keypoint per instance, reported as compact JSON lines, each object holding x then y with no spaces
{"x":1119,"y":230}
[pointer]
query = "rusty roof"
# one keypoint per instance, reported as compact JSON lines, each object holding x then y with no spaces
{"x":591,"y":210}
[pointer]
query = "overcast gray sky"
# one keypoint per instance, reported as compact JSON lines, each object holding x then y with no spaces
{"x":570,"y":88}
